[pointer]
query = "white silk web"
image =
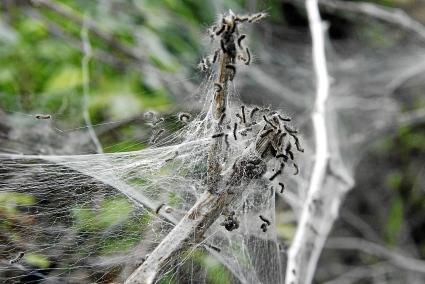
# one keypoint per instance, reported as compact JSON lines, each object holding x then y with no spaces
{"x":96,"y":218}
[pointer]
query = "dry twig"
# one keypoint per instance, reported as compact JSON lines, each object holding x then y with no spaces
{"x":221,"y":191}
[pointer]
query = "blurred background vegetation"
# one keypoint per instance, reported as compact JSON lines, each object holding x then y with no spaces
{"x":144,"y":57}
{"x":146,"y":40}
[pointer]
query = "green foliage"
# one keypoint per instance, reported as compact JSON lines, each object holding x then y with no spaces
{"x":124,"y":146}
{"x":167,"y":279}
{"x":216,"y":272}
{"x":412,"y":139}
{"x":129,"y":237}
{"x":9,"y":202}
{"x":118,"y":244}
{"x":390,"y":3}
{"x":108,"y":213}
{"x":37,"y":260}
{"x":395,"y":220}
{"x":394,"y":180}
{"x":112,"y":214}
{"x":40,"y":68}
{"x":405,"y":149}
{"x":174,"y":200}
{"x":68,"y":78}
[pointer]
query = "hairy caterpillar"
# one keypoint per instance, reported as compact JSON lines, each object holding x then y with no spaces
{"x":234,"y":130}
{"x":43,"y":116}
{"x":264,"y":220}
{"x":240,"y":39}
{"x":17,"y":258}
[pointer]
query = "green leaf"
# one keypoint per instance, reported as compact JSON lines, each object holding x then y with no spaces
{"x":66,"y":79}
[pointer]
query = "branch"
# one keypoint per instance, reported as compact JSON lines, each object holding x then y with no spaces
{"x":221,"y":192}
{"x":277,"y":87}
{"x":410,"y":72}
{"x":389,"y":15}
{"x":136,"y":55}
{"x":312,"y":230}
{"x":59,"y":32}
{"x":357,"y":273}
{"x":363,"y":227}
{"x":192,"y":228}
{"x":86,"y":81}
{"x":367,"y":247}
{"x":70,"y":14}
{"x":412,"y":118}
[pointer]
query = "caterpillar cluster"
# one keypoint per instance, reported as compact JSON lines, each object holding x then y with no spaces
{"x":267,"y":133}
{"x":230,"y":223}
{"x":275,"y":142}
{"x":275,"y":138}
{"x":229,"y":41}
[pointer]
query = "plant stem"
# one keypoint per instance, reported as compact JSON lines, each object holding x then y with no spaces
{"x":86,"y":82}
{"x":306,"y":246}
{"x":219,"y":103}
{"x":192,"y":227}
